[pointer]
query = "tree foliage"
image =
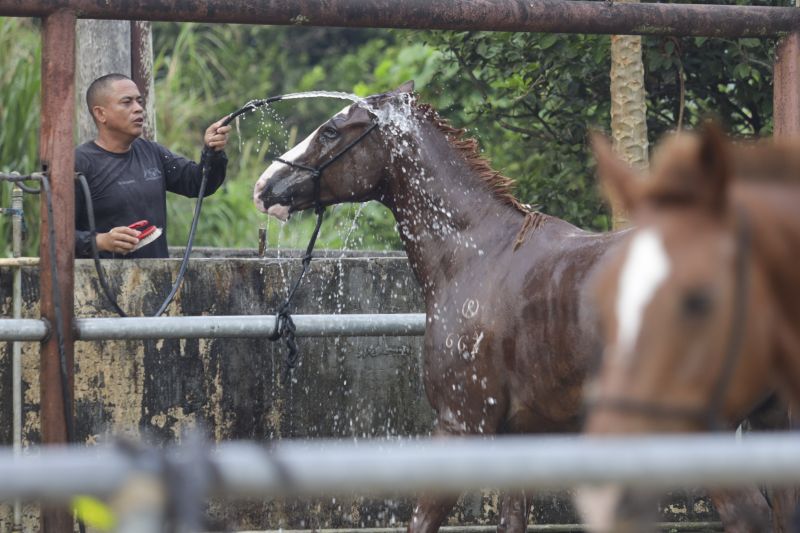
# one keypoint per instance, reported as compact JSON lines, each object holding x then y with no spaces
{"x":532,"y":98}
{"x":20,"y":78}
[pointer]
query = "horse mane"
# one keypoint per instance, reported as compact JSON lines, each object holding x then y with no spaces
{"x":501,"y":186}
{"x":772,"y":160}
{"x":676,"y":172}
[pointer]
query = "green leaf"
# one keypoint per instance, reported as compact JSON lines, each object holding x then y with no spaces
{"x":547,"y":40}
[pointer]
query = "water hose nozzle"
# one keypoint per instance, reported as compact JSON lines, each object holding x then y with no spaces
{"x":252,"y":105}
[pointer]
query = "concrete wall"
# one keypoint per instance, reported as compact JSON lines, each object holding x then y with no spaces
{"x":343,"y":387}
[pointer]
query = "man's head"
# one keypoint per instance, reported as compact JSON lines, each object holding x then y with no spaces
{"x":116,"y":105}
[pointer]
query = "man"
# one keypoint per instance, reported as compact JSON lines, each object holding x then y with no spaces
{"x":129,"y":176}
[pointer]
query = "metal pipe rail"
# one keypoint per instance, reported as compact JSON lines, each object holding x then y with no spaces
{"x":554,"y":16}
{"x":16,"y":177}
{"x":331,"y":467}
{"x":18,"y":261}
{"x":242,"y":326}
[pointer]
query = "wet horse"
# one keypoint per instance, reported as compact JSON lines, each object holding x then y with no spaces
{"x":510,"y":332}
{"x":700,"y":307}
{"x":509,"y":335}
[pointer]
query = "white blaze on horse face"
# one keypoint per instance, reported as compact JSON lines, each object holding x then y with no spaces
{"x":645,"y":269}
{"x":281,"y":212}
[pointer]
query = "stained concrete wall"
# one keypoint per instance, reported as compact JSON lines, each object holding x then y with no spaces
{"x":343,"y":387}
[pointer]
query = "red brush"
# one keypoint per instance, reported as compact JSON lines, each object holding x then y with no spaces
{"x":148,"y":233}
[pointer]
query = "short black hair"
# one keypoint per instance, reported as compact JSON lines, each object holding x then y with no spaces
{"x":98,"y":86}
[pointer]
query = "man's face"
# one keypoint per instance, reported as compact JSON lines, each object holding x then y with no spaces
{"x":121,"y":109}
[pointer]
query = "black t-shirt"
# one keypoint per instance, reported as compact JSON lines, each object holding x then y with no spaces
{"x":132,"y":186}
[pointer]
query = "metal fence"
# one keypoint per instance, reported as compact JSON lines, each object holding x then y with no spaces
{"x":235,"y":326}
{"x":408,"y":465}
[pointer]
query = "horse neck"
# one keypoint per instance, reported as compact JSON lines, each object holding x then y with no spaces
{"x":447,"y":215}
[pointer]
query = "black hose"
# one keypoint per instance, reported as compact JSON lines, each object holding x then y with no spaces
{"x":95,"y":254}
{"x":69,"y":421}
{"x":59,"y":316}
{"x":252,"y":105}
{"x":185,"y":261}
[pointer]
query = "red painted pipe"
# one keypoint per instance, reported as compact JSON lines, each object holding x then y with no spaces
{"x":57,"y":156}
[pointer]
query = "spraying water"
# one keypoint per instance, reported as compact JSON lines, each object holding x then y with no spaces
{"x":324,"y":94}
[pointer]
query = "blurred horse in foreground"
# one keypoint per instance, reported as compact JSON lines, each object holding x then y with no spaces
{"x":700,"y":307}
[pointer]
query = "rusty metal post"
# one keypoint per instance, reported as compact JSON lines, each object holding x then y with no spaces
{"x":786,"y":89}
{"x":142,"y":72}
{"x":554,"y":16}
{"x":57,"y":155}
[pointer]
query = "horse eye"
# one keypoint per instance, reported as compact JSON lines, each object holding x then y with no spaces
{"x":330,"y":133}
{"x":696,"y":303}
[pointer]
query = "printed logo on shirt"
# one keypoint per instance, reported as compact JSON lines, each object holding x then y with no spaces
{"x":151,"y":174}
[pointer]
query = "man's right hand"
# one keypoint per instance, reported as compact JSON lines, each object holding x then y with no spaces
{"x":119,"y":240}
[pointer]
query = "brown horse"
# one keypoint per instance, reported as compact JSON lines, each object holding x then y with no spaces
{"x":509,"y":334}
{"x":700,"y":307}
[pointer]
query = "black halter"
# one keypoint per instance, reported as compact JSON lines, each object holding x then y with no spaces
{"x":284,"y":325}
{"x":316,"y":172}
{"x":709,"y":417}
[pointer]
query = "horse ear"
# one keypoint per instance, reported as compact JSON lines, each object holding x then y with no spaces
{"x":407,"y":87}
{"x":715,"y":165}
{"x":620,"y":183}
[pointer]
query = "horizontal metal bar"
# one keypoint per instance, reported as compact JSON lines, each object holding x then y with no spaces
{"x":244,"y":326}
{"x":554,"y":16}
{"x":375,"y":467}
{"x":18,"y":261}
{"x":23,"y":329}
{"x":531,"y":528}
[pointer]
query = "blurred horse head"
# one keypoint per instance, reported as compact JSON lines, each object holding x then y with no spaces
{"x":700,"y":307}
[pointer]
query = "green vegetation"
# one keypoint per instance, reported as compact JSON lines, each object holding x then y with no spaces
{"x":20,"y":76}
{"x":529,"y":99}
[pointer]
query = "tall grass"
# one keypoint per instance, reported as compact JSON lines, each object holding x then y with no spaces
{"x":20,"y":81}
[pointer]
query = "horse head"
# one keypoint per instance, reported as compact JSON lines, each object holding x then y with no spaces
{"x":683,"y":352}
{"x":343,"y":160}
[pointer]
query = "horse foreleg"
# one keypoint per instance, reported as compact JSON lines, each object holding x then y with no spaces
{"x":784,"y":503}
{"x":513,"y":513}
{"x":430,"y":512}
{"x":742,"y":510}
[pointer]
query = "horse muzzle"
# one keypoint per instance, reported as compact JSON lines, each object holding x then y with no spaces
{"x":273,"y":205}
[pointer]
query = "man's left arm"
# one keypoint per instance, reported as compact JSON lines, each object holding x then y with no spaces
{"x":184,"y":176}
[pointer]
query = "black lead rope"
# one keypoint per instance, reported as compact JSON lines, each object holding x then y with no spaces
{"x":284,"y":325}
